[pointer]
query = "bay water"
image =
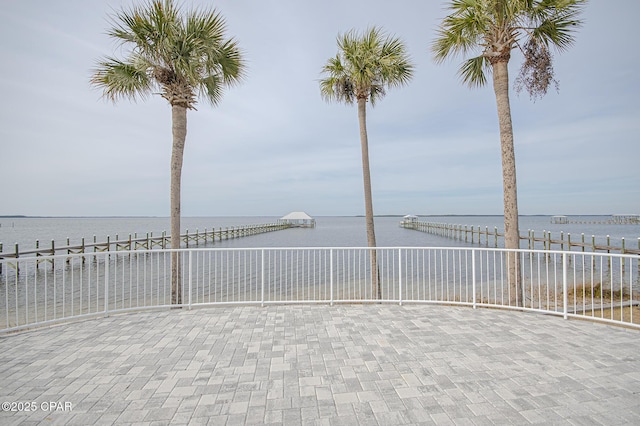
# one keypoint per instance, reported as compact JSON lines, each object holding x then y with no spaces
{"x":330,"y":231}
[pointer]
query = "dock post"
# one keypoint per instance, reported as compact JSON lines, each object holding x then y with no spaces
{"x":495,"y":235}
{"x":533,"y":239}
{"x":608,"y":251}
{"x":18,"y":263}
{"x":471,"y":234}
{"x":53,"y":253}
{"x":548,"y":245}
{"x":37,"y":253}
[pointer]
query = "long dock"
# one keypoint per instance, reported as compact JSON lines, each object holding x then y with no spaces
{"x":148,"y":242}
{"x":473,"y":235}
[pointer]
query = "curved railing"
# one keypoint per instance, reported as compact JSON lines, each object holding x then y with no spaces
{"x":37,"y":291}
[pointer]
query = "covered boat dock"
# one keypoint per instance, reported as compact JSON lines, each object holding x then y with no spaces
{"x":298,"y":220}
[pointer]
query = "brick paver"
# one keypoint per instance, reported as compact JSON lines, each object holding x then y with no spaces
{"x":325,"y":365}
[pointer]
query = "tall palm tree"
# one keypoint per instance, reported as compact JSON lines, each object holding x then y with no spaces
{"x":181,"y":56}
{"x":492,"y":29}
{"x":364,"y":67}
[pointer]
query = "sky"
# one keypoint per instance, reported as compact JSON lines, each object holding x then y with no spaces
{"x":273,"y":145}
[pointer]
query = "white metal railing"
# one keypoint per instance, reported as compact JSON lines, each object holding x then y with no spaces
{"x":41,"y":290}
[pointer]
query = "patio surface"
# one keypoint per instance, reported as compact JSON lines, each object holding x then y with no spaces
{"x":320,"y":364}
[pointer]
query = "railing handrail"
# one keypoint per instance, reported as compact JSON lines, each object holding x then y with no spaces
{"x":326,"y":248}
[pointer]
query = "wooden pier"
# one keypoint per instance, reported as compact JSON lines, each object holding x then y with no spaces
{"x":616,"y":219}
{"x":133,"y":242}
{"x":477,"y":234}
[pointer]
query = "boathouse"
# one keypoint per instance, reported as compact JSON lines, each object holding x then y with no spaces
{"x":559,"y":219}
{"x":409,"y":221}
{"x":298,"y":219}
{"x":625,"y":219}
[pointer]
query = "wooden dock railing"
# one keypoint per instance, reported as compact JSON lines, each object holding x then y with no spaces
{"x":148,"y":242}
{"x":473,"y":235}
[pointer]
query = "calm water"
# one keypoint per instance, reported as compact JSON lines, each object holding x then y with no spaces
{"x":330,"y":231}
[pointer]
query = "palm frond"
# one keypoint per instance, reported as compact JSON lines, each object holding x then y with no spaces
{"x":337,"y":86}
{"x":462,"y":31}
{"x":557,"y":22}
{"x":472,"y":72}
{"x":122,"y":80}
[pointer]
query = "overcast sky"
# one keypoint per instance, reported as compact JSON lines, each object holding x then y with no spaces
{"x":273,"y":145}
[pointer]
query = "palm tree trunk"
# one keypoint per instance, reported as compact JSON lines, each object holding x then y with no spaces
{"x":368,"y":198}
{"x":511,"y":229}
{"x":179,"y":131}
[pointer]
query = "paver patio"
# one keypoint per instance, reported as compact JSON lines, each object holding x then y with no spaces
{"x":319,"y":364}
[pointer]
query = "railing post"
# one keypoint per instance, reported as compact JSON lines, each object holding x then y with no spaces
{"x":400,"y":272}
{"x":190,"y":273}
{"x":106,"y":285}
{"x":565,"y":286}
{"x":331,"y":276}
{"x":262,"y":279}
{"x":473,"y":277}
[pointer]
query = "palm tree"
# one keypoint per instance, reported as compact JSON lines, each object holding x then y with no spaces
{"x":493,"y":28}
{"x":180,"y":56}
{"x":364,"y":67}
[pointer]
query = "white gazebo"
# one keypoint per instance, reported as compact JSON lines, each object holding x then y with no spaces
{"x":298,"y":219}
{"x":559,"y":219}
{"x":409,"y":221}
{"x":626,"y":218}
